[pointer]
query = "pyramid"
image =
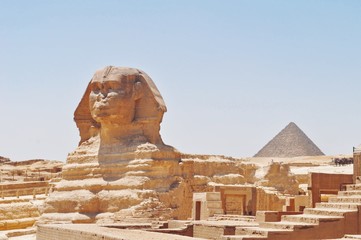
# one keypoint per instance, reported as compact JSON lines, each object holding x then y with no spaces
{"x":290,"y":142}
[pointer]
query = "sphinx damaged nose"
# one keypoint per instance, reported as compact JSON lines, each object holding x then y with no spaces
{"x":101,"y":96}
{"x":103,"y":91}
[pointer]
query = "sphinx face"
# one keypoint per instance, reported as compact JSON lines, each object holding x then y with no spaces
{"x":112,"y":100}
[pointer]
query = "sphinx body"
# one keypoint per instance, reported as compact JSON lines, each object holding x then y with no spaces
{"x":121,"y":160}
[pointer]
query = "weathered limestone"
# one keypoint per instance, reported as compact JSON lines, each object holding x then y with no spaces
{"x":280,"y":177}
{"x":22,"y":194}
{"x":206,"y":204}
{"x":239,"y":200}
{"x":340,"y":216}
{"x":122,"y":170}
{"x":121,"y":167}
{"x":121,"y":159}
{"x":21,"y":203}
{"x":94,"y":232}
{"x":30,"y":170}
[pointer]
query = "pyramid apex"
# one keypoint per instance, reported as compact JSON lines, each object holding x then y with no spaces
{"x":292,"y":124}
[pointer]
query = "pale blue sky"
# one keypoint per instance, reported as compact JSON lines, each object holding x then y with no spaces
{"x":232,"y":73}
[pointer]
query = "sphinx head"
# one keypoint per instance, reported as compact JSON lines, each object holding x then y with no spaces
{"x":121,"y":97}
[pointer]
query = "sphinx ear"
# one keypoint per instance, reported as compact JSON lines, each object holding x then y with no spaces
{"x":138,"y":90}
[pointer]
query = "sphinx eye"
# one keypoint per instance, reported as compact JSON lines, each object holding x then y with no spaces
{"x":95,"y":88}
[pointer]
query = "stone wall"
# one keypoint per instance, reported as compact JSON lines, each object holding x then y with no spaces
{"x":153,"y":188}
{"x":16,"y":189}
{"x":206,"y":205}
{"x":20,"y":203}
{"x":324,"y":183}
{"x":269,"y":200}
{"x":209,"y":232}
{"x":94,"y":232}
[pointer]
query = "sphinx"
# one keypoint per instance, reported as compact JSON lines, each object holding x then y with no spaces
{"x":121,"y":160}
{"x":119,"y":118}
{"x":121,"y":167}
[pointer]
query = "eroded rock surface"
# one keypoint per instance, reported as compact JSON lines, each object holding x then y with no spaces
{"x":121,"y":167}
{"x":121,"y":159}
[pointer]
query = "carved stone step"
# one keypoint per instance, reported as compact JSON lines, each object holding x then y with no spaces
{"x":337,"y":205}
{"x":310,"y":218}
{"x":348,"y":199}
{"x":352,"y":237}
{"x":242,"y":237}
{"x":17,"y":223}
{"x":353,"y":187}
{"x":349,"y":237}
{"x":259,"y":231}
{"x":243,"y":218}
{"x":328,"y":211}
{"x":287,"y":225}
{"x":350,"y":193}
{"x":19,"y":232}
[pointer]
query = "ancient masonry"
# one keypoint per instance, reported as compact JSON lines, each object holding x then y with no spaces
{"x":123,"y":182}
{"x":290,"y":142}
{"x":121,"y":167}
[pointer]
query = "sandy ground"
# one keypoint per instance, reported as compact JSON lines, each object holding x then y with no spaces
{"x":303,"y":165}
{"x":314,"y":160}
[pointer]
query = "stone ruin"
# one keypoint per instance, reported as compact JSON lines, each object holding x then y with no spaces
{"x":122,"y":175}
{"x":121,"y":167}
{"x":24,"y":186}
{"x":4,"y":159}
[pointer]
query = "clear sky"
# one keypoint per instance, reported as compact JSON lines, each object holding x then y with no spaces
{"x":232,"y":73}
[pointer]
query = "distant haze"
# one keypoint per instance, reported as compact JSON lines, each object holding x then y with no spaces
{"x":232,"y":73}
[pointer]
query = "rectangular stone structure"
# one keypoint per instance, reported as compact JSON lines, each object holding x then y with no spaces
{"x":356,"y":164}
{"x":95,"y":232}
